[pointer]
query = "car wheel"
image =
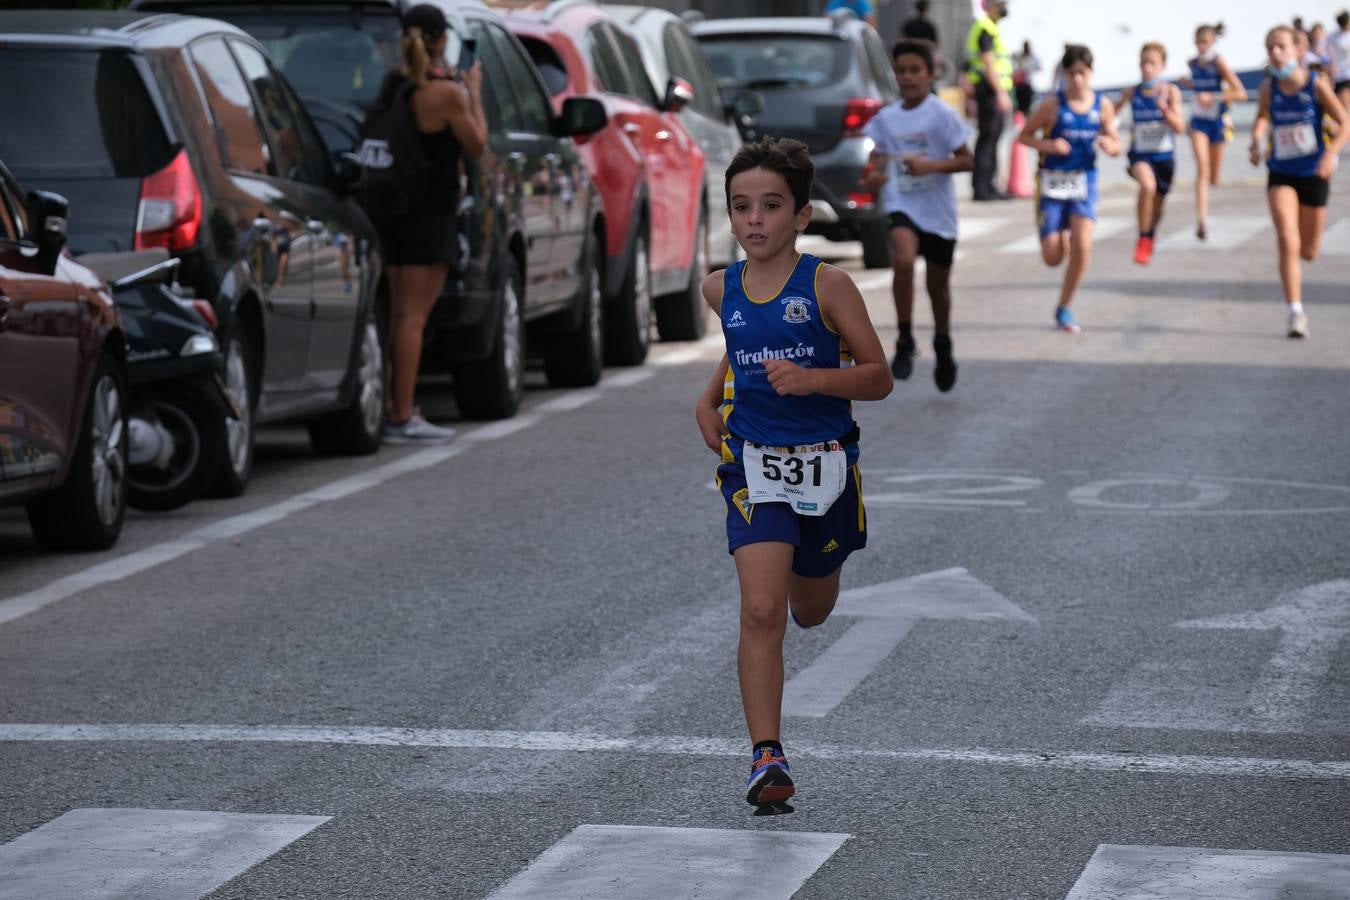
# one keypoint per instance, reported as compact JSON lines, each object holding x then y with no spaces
{"x":682,"y":316}
{"x":86,"y":513}
{"x":195,"y":424}
{"x":356,"y":430}
{"x":628,"y":325}
{"x":241,"y":386}
{"x":876,"y":241}
{"x":577,"y":359}
{"x":492,"y":388}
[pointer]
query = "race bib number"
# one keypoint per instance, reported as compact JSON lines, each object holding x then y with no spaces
{"x":904,"y":182}
{"x":1293,"y":141}
{"x":1211,"y":113}
{"x":1064,"y":185}
{"x":809,"y":478}
{"x":1153,"y":137}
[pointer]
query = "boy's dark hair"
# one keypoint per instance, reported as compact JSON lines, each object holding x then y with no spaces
{"x":785,"y":156}
{"x":1343,"y":18}
{"x":914,"y":48}
{"x":1076,"y":53}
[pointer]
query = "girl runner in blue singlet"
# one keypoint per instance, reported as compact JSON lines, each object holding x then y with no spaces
{"x":1215,"y":85}
{"x":1300,"y":158}
{"x":1155,"y":110}
{"x":1074,"y":122}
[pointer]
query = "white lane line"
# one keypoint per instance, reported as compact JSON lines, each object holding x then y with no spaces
{"x":693,"y":353}
{"x":1106,"y":227}
{"x":671,"y":745}
{"x":820,"y":687}
{"x":618,"y":862}
{"x":969,"y":229}
{"x":149,"y":854}
{"x":1336,"y":239}
{"x":1225,"y":233}
{"x":629,"y":378}
{"x":570,"y":400}
{"x":1197,"y":873}
{"x":504,"y":428}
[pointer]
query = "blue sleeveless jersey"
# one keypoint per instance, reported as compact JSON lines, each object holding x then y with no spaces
{"x":1145,"y":109}
{"x":1081,"y":131}
{"x":1292,"y":111}
{"x":789,"y":325}
{"x":1205,"y":79}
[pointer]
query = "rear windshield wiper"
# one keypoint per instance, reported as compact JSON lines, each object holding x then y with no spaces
{"x":755,"y":84}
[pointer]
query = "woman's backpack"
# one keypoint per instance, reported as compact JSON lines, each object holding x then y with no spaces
{"x":395,"y":171}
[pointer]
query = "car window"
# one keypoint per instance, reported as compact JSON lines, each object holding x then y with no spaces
{"x":278,"y":118}
{"x":882,"y":71}
{"x":757,"y":61}
{"x":635,"y":73}
{"x":79,"y":114}
{"x":549,"y":64}
{"x":605,"y":60}
{"x":685,"y":60}
{"x":534,"y":104}
{"x":232,"y":111}
{"x":499,"y":98}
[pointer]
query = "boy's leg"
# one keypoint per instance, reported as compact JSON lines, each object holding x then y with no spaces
{"x":1311,"y":220}
{"x":1080,"y":254}
{"x":1200,"y":144}
{"x":939,"y":283}
{"x":764,"y":571}
{"x":812,"y":599}
{"x":1142,"y":173}
{"x":904,"y":250}
{"x":1284,"y":212}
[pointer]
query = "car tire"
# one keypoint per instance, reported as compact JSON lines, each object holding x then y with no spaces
{"x":200,"y":438}
{"x":86,"y":513}
{"x":577,"y":359}
{"x":682,"y":316}
{"x":356,"y":429}
{"x":876,"y":241}
{"x":241,"y":385}
{"x":492,"y":388}
{"x":628,"y":319}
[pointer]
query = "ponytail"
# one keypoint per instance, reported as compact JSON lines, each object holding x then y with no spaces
{"x":416,"y":59}
{"x":1213,"y":32}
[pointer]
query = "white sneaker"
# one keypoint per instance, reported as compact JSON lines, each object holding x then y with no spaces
{"x":417,"y":430}
{"x":1298,"y":325}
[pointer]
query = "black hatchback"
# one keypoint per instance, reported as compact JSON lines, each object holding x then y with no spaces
{"x":177,"y":132}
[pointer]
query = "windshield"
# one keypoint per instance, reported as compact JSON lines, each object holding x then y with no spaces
{"x":77,"y":114}
{"x":755,"y":62}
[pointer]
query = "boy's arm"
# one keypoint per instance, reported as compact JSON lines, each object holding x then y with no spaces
{"x":869,"y":378}
{"x":961,"y":161}
{"x":1172,"y":111}
{"x":1331,"y":106}
{"x":708,"y":411}
{"x":1109,"y":140}
{"x":1261,"y":125}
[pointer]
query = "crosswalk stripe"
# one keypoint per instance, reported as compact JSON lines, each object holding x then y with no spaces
{"x":1196,"y":873}
{"x":149,"y":854}
{"x":1336,"y":239}
{"x":1225,"y":233}
{"x":1031,"y":243}
{"x":618,"y":862}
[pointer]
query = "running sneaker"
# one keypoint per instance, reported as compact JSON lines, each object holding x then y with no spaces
{"x":905,"y":351}
{"x":769,"y":781}
{"x":1143,"y":250}
{"x":1201,"y":232}
{"x":944,"y":373}
{"x":417,"y":430}
{"x":1064,"y":318}
{"x":1298,"y":325}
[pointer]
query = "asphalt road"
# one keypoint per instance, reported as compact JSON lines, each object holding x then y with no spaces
{"x":1104,"y":650}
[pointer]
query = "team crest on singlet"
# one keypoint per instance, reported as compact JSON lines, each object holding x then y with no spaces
{"x":795,"y":311}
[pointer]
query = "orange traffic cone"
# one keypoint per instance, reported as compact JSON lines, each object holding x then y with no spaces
{"x":1019,"y":171}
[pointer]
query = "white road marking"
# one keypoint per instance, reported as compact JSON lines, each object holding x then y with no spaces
{"x":1336,"y":239}
{"x":629,"y":378}
{"x":1225,"y":233}
{"x":149,"y":854}
{"x":672,"y":745}
{"x":619,"y":862}
{"x":1196,"y":873}
{"x":1188,"y":692}
{"x":1106,"y":227}
{"x":570,"y":400}
{"x":713,"y":343}
{"x":888,"y":612}
{"x":504,"y":428}
{"x":968,"y":229}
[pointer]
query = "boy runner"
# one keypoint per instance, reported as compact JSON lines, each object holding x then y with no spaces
{"x":920,"y":141}
{"x":800,"y":347}
{"x":1155,"y":108}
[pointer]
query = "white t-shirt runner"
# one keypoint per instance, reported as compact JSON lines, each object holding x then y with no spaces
{"x":934,"y":131}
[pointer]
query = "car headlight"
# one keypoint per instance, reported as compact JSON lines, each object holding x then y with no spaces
{"x":199,"y":344}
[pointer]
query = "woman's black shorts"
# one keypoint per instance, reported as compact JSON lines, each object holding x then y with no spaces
{"x":1312,"y":190}
{"x":425,"y":238}
{"x":1164,"y":170}
{"x":938,"y":250}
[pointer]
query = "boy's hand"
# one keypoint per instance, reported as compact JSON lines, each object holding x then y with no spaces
{"x":788,"y":378}
{"x":1110,"y":144}
{"x":1326,"y":166}
{"x":712,"y":427}
{"x":1254,"y":152}
{"x":1059,"y":147}
{"x":917,"y":165}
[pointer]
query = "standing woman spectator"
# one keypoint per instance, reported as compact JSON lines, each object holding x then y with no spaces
{"x":419,"y":247}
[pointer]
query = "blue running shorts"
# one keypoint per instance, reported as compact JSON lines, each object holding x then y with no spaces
{"x":822,"y":542}
{"x":1214,"y":129}
{"x":1054,"y":216}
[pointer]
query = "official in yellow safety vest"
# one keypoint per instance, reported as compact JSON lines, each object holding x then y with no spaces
{"x":989,"y":70}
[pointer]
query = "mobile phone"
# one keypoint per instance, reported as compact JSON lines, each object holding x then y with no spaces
{"x":468,"y":53}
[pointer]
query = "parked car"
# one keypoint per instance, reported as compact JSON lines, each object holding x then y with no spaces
{"x":648,"y":167}
{"x":529,"y":222}
{"x":822,"y":79}
{"x":177,"y":132}
{"x":63,"y":380}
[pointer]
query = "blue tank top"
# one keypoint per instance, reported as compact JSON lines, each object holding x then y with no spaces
{"x":789,"y":325}
{"x":1081,"y":131}
{"x":1144,"y":111}
{"x":1294,"y":117}
{"x":1205,"y":79}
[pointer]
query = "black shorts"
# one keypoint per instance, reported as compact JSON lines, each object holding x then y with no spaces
{"x":1343,"y":85}
{"x":1163,"y":172}
{"x":1312,"y":191}
{"x":425,"y":238}
{"x":938,"y":250}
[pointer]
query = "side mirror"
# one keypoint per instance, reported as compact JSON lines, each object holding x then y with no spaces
{"x":47,"y":218}
{"x":580,"y":115}
{"x":679,"y":94}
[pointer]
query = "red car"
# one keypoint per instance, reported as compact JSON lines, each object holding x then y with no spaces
{"x":648,"y":169}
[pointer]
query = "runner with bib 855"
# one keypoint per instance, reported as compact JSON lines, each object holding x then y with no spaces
{"x":1155,"y":114}
{"x":778,"y":411}
{"x":1300,"y":158}
{"x":1074,"y":122}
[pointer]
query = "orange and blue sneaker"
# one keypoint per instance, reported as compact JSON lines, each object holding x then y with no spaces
{"x":769,"y":781}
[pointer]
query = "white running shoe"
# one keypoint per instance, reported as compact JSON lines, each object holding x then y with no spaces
{"x":1298,"y":325}
{"x":417,"y":430}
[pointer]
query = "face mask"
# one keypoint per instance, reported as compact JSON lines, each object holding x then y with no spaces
{"x":1285,"y":70}
{"x":1209,"y":55}
{"x":1148,"y":85}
